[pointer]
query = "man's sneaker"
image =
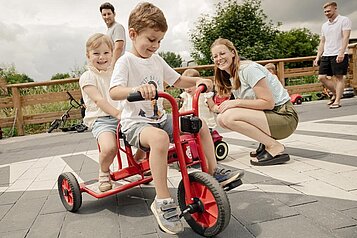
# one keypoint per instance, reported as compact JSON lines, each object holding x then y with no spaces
{"x":225,"y":176}
{"x":167,"y":216}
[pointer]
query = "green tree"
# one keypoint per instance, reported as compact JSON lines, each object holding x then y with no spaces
{"x":245,"y":25}
{"x":11,"y":75}
{"x":254,"y":36}
{"x":297,"y":43}
{"x":60,"y":76}
{"x":172,"y":59}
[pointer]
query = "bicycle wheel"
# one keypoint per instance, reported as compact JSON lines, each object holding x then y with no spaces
{"x":216,"y":212}
{"x":69,"y":191}
{"x":55,"y":124}
{"x":221,"y":150}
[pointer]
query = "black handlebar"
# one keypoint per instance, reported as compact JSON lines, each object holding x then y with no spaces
{"x":134,"y":97}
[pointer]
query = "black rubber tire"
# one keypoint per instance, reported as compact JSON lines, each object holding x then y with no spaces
{"x":299,"y":101}
{"x":206,"y":188}
{"x":54,"y":125}
{"x":69,"y":191}
{"x":220,"y":150}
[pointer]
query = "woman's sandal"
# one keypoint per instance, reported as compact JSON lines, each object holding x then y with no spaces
{"x":104,"y":181}
{"x":260,"y":148}
{"x":265,"y":158}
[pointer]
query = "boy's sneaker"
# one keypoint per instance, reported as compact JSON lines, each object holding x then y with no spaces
{"x":167,"y":216}
{"x":225,"y":176}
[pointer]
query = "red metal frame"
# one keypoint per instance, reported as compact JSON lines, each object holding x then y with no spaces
{"x":180,"y":141}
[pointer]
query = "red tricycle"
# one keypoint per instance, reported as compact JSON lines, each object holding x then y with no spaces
{"x":203,"y":202}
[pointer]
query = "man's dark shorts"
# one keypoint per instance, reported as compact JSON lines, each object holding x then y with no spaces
{"x":329,"y":67}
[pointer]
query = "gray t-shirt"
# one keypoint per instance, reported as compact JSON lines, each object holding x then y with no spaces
{"x":117,"y":33}
{"x":250,"y":73}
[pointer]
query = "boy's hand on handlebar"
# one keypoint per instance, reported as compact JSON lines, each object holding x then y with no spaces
{"x":207,"y":82}
{"x":148,"y":91}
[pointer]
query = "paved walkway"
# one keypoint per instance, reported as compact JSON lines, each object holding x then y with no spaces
{"x":314,"y":195}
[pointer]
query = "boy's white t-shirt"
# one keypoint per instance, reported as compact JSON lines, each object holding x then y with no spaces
{"x":133,"y":71}
{"x":203,"y":110}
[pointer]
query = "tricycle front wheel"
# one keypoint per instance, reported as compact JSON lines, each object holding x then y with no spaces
{"x":215,"y":212}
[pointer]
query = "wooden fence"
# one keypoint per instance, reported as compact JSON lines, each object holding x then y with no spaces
{"x":17,"y":102}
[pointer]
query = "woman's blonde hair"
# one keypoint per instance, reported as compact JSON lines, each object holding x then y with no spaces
{"x":222,"y":78}
{"x":97,"y":40}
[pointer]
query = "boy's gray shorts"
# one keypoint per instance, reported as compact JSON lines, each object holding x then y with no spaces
{"x":132,"y":134}
{"x":102,"y":124}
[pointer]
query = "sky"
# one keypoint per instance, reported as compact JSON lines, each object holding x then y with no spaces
{"x":45,"y":37}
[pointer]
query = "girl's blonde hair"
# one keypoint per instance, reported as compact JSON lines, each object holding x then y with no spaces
{"x":222,"y":78}
{"x":96,"y":40}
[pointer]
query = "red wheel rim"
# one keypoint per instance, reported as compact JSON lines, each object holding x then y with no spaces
{"x":69,"y":196}
{"x":209,"y":216}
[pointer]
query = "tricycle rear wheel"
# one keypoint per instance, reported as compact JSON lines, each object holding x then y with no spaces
{"x":216,"y":212}
{"x":221,"y":150}
{"x":69,"y":191}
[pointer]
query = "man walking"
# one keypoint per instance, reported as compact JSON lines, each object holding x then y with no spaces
{"x":115,"y":31}
{"x":333,"y":52}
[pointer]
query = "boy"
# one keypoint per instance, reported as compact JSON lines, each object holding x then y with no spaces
{"x":148,"y":129}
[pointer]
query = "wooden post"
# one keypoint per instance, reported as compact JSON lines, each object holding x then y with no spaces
{"x":16,"y":99}
{"x":281,"y":74}
{"x":354,"y":66}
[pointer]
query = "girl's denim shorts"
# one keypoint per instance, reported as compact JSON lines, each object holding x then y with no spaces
{"x":103,"y":124}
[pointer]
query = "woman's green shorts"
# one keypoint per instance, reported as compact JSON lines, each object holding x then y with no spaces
{"x":282,"y":120}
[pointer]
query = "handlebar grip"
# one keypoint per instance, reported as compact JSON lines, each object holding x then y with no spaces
{"x":134,"y":97}
{"x":205,"y":87}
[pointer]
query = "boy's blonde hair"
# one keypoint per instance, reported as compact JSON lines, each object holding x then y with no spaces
{"x":333,"y":4}
{"x":270,"y":66}
{"x":146,"y":15}
{"x":96,"y":40}
{"x":191,"y":73}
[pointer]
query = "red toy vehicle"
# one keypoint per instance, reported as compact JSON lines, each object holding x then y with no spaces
{"x":296,"y":98}
{"x":203,"y":202}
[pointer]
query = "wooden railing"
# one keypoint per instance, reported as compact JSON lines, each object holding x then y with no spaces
{"x":17,"y":102}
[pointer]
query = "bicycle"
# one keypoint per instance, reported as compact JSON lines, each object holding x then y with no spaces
{"x":62,"y":121}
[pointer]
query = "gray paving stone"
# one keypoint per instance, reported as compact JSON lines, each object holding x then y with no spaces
{"x":47,"y":226}
{"x":294,"y":226}
{"x":338,"y":204}
{"x":14,"y":234}
{"x":10,"y":197}
{"x":346,"y":232}
{"x":136,"y":220}
{"x":325,"y":216}
{"x":17,"y":219}
{"x":27,"y":195}
{"x":99,"y":220}
{"x":4,"y":209}
{"x":250,"y":207}
{"x":53,"y":204}
{"x":5,"y":176}
{"x":351,"y":212}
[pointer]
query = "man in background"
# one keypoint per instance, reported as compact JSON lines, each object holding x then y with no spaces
{"x":333,"y":52}
{"x":115,"y":31}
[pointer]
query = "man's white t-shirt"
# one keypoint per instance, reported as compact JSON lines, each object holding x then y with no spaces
{"x":133,"y":71}
{"x":117,"y":33}
{"x":333,"y":33}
